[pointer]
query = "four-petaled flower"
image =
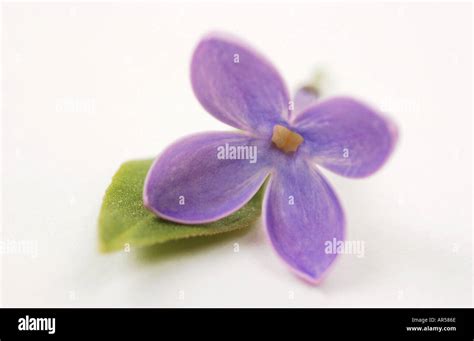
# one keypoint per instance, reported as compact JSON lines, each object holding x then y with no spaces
{"x":188,"y":183}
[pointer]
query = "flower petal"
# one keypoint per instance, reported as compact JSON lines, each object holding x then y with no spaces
{"x":191,"y":183}
{"x":237,"y":85}
{"x":302,"y":214}
{"x":346,"y":136}
{"x":304,"y":98}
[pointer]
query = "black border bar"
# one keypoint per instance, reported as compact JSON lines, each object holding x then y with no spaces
{"x":413,"y":324}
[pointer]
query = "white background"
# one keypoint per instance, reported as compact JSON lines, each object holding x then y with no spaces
{"x":125,"y":69}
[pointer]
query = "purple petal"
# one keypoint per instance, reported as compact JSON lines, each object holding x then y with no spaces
{"x":191,"y":183}
{"x":302,"y":214}
{"x":237,"y":85}
{"x":304,"y":98}
{"x":346,"y":136}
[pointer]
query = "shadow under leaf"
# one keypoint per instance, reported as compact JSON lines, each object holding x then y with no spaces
{"x":181,"y":247}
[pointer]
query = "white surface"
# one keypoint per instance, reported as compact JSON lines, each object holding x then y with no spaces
{"x":125,"y":70}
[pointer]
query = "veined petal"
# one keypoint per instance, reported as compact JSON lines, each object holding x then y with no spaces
{"x":346,"y":136}
{"x":302,"y":214}
{"x":237,"y":85}
{"x":200,"y":178}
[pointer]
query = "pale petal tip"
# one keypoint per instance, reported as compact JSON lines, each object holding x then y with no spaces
{"x":314,"y":279}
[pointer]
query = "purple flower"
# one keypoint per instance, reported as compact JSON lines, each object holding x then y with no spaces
{"x":205,"y":177}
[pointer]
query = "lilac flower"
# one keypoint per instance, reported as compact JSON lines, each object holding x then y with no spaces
{"x":190,"y":183}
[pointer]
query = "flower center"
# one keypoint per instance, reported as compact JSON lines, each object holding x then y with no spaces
{"x":285,"y":139}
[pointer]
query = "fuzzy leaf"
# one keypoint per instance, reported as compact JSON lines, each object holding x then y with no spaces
{"x":123,"y":218}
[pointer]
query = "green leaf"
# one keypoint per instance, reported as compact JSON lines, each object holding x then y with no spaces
{"x":123,"y":218}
